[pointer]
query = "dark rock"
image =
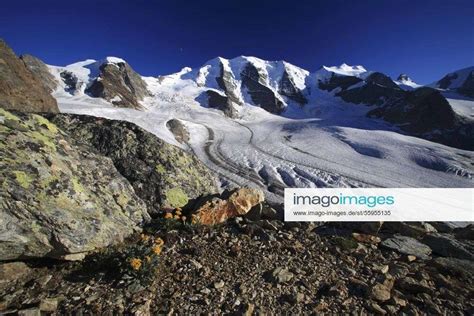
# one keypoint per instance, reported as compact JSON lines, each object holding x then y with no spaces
{"x":181,"y":134}
{"x":408,"y":229}
{"x":465,"y":232}
{"x":447,"y":246}
{"x":408,"y":246}
{"x":71,"y":81}
{"x":120,"y":84}
{"x":467,"y":87}
{"x":456,"y":267}
{"x":288,"y":88}
{"x":163,"y":176}
{"x":261,"y":95}
{"x":19,"y":87}
{"x":227,"y":83}
{"x":337,"y":81}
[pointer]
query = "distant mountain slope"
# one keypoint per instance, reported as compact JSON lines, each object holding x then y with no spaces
{"x":461,"y":81}
{"x":20,"y":89}
{"x":111,"y":79}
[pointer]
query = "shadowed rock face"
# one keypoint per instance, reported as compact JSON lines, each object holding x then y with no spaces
{"x":119,"y":84}
{"x":39,"y":69}
{"x":423,"y":110}
{"x":71,"y":81}
{"x":163,"y":176}
{"x":445,"y":82}
{"x":216,"y":100}
{"x":231,"y":101}
{"x":261,"y":95}
{"x":336,"y":81}
{"x":289,"y":89}
{"x":377,"y":89}
{"x":59,"y":196}
{"x":467,"y":87}
{"x":19,"y":87}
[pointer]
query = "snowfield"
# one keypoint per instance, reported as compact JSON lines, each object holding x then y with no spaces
{"x":326,"y":143}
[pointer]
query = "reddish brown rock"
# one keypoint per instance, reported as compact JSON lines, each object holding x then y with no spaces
{"x":219,"y":210}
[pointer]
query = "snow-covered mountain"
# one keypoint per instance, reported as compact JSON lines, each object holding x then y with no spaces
{"x":271,"y":124}
{"x":461,"y":81}
{"x":406,"y":83}
{"x":111,"y":79}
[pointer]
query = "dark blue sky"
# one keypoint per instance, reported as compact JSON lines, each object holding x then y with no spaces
{"x":426,"y":39}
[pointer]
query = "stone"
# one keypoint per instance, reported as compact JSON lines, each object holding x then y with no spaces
{"x":370,"y":239}
{"x":59,"y":196}
{"x":29,"y":312}
{"x":407,"y":245}
{"x":13,"y":271}
{"x":380,"y":292}
{"x":162,"y":175}
{"x":454,"y":266}
{"x":219,"y":284}
{"x":410,"y":285}
{"x":447,"y":246}
{"x":412,"y":229}
{"x":466,"y":233}
{"x":220,"y":209}
{"x":281,"y":275}
{"x":411,"y":258}
{"x":19,"y":88}
{"x":48,"y":305}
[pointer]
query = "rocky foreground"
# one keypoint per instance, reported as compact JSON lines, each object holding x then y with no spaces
{"x":256,"y":267}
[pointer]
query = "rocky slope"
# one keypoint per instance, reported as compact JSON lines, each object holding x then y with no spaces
{"x":40,"y":71}
{"x":422,"y":112}
{"x":20,"y":89}
{"x":251,"y":267}
{"x":58,"y":196}
{"x":461,"y":81}
{"x":162,"y":175}
{"x":118,"y":83}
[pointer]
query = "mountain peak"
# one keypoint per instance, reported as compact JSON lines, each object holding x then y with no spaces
{"x":406,"y":83}
{"x":346,"y":70}
{"x":403,"y":77}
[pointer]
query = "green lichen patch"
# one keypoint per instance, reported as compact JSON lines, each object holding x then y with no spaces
{"x":23,"y":179}
{"x":176,"y":197}
{"x":160,"y":168}
{"x":46,"y":123}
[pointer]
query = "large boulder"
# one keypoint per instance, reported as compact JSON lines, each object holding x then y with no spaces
{"x":119,"y":84}
{"x":163,"y":175}
{"x":20,"y":89}
{"x":58,"y":196}
{"x":219,"y":209}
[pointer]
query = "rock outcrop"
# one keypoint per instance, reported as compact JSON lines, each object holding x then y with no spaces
{"x":58,"y":196}
{"x":164,"y":176}
{"x":288,"y":88}
{"x":40,"y":70}
{"x":261,"y":95}
{"x":20,"y":89}
{"x":119,"y":84}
